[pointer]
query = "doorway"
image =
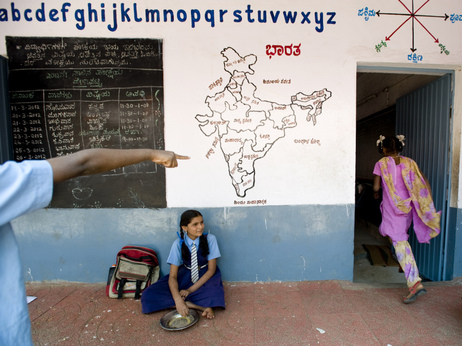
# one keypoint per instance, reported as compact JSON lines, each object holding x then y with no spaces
{"x":377,"y":94}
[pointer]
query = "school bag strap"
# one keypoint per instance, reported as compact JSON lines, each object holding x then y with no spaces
{"x":120,"y":292}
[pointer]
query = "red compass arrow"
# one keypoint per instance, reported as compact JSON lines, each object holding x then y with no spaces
{"x":423,"y":26}
{"x":412,"y":14}
{"x":387,"y":38}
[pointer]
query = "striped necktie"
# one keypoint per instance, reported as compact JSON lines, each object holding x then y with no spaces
{"x":194,"y":264}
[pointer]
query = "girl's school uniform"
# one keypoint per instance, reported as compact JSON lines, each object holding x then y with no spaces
{"x":211,"y":294}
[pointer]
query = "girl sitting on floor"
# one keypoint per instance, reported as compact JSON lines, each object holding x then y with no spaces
{"x":184,"y":288}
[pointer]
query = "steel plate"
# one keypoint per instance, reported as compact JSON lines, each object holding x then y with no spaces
{"x":174,"y":321}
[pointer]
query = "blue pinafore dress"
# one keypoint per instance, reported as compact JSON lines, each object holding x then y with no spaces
{"x":211,"y":294}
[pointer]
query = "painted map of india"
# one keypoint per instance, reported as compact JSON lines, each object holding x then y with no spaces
{"x":246,"y":127}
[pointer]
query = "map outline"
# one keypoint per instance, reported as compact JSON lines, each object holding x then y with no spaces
{"x":246,"y":126}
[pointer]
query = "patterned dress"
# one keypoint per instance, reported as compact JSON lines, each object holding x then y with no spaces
{"x":406,"y":199}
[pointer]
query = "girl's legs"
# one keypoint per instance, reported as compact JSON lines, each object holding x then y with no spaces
{"x":407,"y":261}
{"x":206,"y":312}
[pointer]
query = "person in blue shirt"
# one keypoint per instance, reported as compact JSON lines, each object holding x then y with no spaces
{"x":27,"y":186}
{"x":179,"y":289}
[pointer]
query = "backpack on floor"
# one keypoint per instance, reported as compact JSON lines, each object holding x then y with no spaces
{"x":136,"y":269}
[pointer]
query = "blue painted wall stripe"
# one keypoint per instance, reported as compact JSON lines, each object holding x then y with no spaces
{"x":271,"y":243}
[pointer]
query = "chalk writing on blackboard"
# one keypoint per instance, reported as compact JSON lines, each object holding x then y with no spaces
{"x":69,"y":94}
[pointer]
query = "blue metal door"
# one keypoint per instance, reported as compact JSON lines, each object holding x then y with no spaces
{"x":424,"y":117}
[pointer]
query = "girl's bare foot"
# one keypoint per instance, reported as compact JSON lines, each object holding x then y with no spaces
{"x":208,"y":312}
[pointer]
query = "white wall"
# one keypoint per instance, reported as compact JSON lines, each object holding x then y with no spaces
{"x":290,"y":173}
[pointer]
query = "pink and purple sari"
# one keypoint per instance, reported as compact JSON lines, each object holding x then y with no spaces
{"x":406,"y":198}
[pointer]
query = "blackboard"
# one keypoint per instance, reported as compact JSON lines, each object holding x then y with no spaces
{"x":68,"y":94}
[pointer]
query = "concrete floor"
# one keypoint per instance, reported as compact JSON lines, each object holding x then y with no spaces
{"x":364,"y":272}
{"x":288,"y":313}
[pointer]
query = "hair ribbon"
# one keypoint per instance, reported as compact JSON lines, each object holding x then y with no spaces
{"x":181,"y":239}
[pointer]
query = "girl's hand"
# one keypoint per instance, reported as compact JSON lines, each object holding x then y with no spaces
{"x":182,"y":308}
{"x":184,"y":294}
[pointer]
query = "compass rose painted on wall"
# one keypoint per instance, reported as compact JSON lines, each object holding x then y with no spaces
{"x":412,"y":14}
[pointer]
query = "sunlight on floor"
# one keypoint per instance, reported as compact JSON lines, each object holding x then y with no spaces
{"x":364,"y":272}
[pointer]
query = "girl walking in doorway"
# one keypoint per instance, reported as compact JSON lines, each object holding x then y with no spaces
{"x":406,"y":198}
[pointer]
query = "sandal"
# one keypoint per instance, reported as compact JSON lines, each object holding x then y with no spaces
{"x":415,"y":293}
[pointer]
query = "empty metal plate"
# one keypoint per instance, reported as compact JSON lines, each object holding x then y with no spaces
{"x":174,"y":321}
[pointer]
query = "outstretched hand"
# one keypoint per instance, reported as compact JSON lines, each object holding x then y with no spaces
{"x":93,"y":161}
{"x":168,"y":158}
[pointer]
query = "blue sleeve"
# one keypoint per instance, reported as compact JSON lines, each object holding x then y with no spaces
{"x":24,"y":187}
{"x":213,"y":247}
{"x":175,"y":254}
